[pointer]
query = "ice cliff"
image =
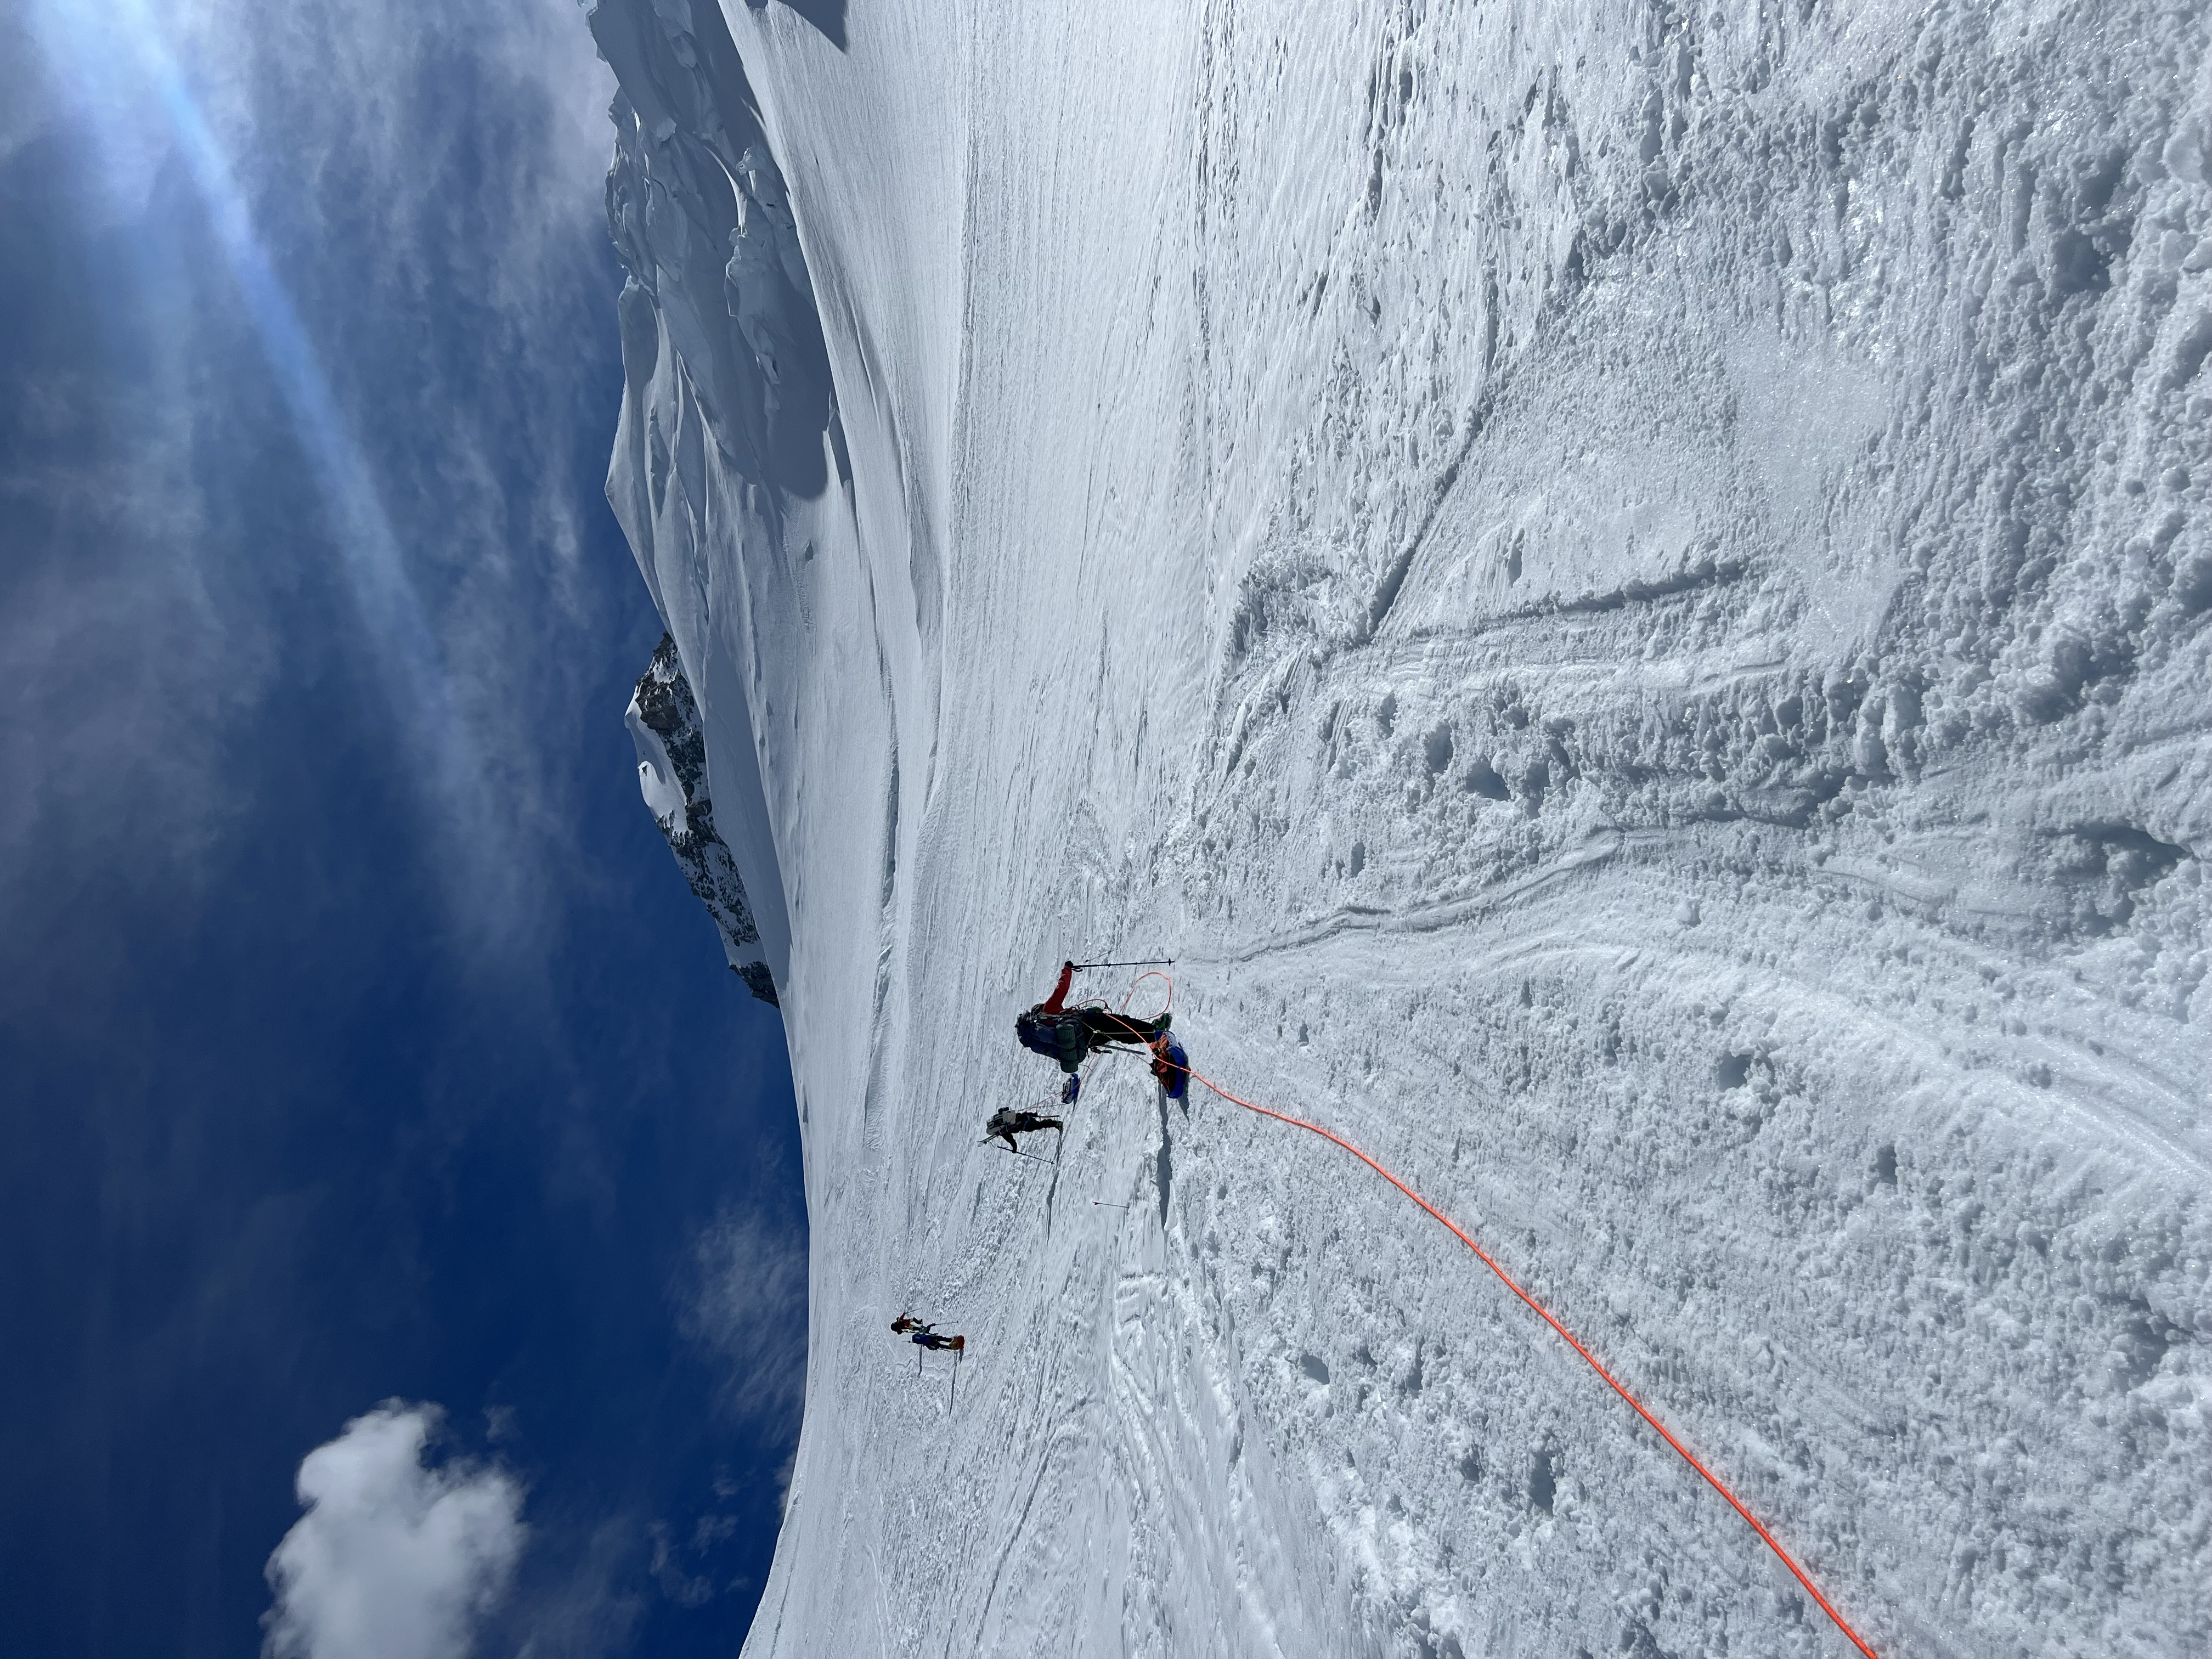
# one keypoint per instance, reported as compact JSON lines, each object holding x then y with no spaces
{"x":1627,"y":588}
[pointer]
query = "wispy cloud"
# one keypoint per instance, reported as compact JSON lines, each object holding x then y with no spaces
{"x":393,"y":1559}
{"x":745,"y":1301}
{"x":124,"y":668}
{"x":408,"y":207}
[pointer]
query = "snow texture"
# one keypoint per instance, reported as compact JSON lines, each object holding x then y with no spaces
{"x":1626,"y":587}
{"x":672,"y":774}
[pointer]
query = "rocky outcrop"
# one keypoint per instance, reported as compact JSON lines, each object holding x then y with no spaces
{"x":671,"y":773}
{"x":729,"y":432}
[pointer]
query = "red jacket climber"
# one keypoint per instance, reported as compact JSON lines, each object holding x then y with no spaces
{"x":1067,"y":1035}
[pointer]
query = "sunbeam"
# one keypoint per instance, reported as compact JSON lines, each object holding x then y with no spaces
{"x":120,"y":63}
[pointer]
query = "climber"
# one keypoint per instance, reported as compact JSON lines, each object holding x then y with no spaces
{"x":1068,"y":1035}
{"x":1170,"y":1066}
{"x":1005,"y":1123}
{"x":925,"y":1336}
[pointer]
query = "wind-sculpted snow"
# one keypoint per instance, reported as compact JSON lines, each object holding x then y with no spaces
{"x":1626,"y":589}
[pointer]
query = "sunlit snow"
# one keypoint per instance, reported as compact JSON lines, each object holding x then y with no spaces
{"x":1625,"y":589}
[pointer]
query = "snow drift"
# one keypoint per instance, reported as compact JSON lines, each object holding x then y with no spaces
{"x":1626,"y":587}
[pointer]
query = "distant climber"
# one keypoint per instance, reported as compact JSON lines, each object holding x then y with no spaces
{"x":1005,"y":1123}
{"x":925,"y":1336}
{"x":1068,"y":1035}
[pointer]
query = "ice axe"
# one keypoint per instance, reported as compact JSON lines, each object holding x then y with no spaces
{"x":1149,"y":961}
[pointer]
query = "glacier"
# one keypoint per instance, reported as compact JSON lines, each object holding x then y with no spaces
{"x":1625,"y":589}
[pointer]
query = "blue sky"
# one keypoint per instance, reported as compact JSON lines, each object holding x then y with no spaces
{"x":362,"y":1042}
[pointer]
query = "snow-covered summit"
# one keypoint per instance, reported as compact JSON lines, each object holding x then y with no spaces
{"x":1628,"y":590}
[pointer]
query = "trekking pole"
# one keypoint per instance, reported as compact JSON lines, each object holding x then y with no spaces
{"x":1102,"y":1204}
{"x":1149,"y":961}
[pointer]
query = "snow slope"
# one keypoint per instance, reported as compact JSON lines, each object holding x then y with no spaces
{"x":1626,"y":587}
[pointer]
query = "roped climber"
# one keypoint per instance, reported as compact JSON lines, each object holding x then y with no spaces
{"x":925,"y":1336}
{"x":1069,"y":1035}
{"x":1005,"y":1123}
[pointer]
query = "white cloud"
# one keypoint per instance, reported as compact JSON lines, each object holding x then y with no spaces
{"x":748,"y":1302}
{"x":393,"y":1560}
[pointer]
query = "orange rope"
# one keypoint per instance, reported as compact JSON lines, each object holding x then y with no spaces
{"x":1139,"y":980}
{"x":1566,"y":1335}
{"x":1545,"y":1314}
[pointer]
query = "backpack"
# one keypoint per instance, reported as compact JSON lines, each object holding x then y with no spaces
{"x":1039,"y":1033}
{"x":1170,"y":1066}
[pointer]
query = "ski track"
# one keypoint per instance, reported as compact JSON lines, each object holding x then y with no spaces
{"x":1626,"y":588}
